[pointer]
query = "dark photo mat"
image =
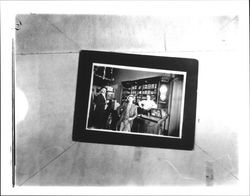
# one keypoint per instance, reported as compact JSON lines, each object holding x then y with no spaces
{"x":90,"y":60}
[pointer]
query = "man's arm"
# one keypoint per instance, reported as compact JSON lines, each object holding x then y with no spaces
{"x":135,"y":114}
{"x":154,"y":105}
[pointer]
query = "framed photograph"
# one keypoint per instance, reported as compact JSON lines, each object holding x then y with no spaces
{"x":136,"y":100}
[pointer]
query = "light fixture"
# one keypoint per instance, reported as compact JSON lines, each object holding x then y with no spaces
{"x":163,"y":92}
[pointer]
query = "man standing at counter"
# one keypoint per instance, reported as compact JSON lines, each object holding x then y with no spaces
{"x":147,"y":104}
{"x":128,"y":115}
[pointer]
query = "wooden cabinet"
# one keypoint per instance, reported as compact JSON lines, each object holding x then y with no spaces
{"x":151,"y":125}
{"x":159,"y":88}
{"x":140,"y":91}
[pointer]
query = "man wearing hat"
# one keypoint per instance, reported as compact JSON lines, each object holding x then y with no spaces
{"x":128,"y":115}
{"x":147,"y":105}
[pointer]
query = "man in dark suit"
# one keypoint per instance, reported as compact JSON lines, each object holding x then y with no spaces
{"x":100,"y":101}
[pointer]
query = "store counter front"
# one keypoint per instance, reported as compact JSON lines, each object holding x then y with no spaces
{"x":151,"y":124}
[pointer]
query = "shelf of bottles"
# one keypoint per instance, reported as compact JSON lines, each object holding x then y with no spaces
{"x":141,"y":91}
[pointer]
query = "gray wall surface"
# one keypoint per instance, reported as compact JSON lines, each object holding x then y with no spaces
{"x":47,"y":52}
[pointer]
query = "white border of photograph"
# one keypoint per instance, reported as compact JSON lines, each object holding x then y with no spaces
{"x":152,"y":70}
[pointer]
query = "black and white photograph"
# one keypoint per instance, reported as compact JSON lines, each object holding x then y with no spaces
{"x":136,"y":100}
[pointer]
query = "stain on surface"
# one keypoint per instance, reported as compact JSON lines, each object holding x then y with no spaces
{"x":138,"y":154}
{"x":209,"y":173}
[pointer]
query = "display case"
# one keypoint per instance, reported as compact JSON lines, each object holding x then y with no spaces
{"x":159,"y":88}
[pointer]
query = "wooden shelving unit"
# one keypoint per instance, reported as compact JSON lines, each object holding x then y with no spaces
{"x":147,"y":86}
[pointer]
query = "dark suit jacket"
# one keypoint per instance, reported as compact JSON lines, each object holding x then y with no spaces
{"x":99,"y":111}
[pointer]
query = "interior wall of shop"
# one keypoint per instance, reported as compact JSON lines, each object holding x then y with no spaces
{"x":47,"y":54}
{"x":127,"y":75}
{"x":175,"y":107}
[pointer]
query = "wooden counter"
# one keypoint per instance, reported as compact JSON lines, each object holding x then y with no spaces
{"x":149,"y":124}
